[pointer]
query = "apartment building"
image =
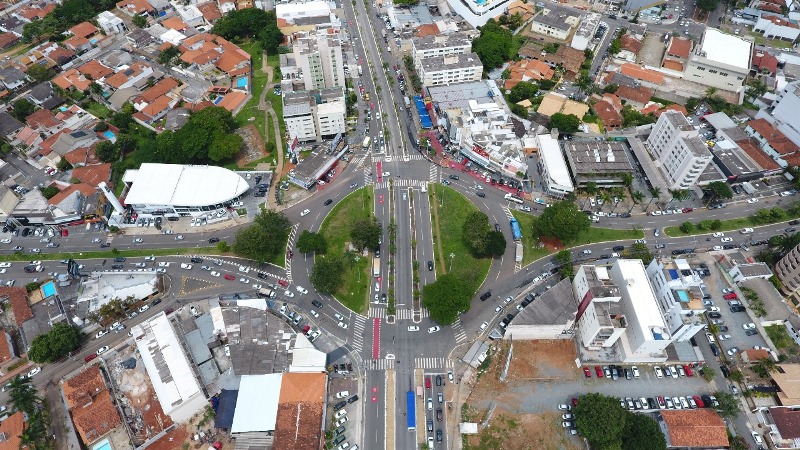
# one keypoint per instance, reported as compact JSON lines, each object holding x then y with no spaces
{"x":721,"y":61}
{"x":553,"y":166}
{"x":678,"y":151}
{"x":679,"y":291}
{"x":788,"y":272}
{"x":318,"y":56}
{"x":314,"y":115}
{"x":450,"y":69}
{"x":440,"y":45}
{"x":555,"y":21}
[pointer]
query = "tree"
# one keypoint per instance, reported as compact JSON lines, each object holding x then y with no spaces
{"x":566,"y":123}
{"x":224,"y":146}
{"x":736,"y":375}
{"x":446,"y":298}
{"x":248,"y":24}
{"x":365,"y":233}
{"x":223,"y":246}
{"x":637,"y":196}
{"x":140,"y":21}
{"x":728,"y":405}
{"x":738,"y":443}
{"x":601,"y":420}
{"x":265,"y":238}
{"x":49,"y":191}
{"x":493,"y":46}
{"x":687,"y":227}
{"x":55,"y":344}
{"x":564,"y":259}
{"x":615,"y":47}
{"x":764,"y":366}
{"x":107,"y":151}
{"x":642,"y":431}
{"x":311,"y":242}
{"x":326,"y":276}
{"x":38,"y":72}
{"x":638,"y":251}
{"x":562,"y":220}
{"x":718,"y":189}
{"x":655,"y":192}
{"x":63,"y":165}
{"x":524,"y":90}
{"x":168,"y":54}
{"x":627,"y":179}
{"x":475,"y":233}
{"x":679,"y":195}
{"x":23,"y":395}
{"x":708,"y":373}
{"x":22,"y":109}
{"x":496,"y":243}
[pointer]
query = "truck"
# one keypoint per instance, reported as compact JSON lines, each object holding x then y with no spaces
{"x":376,"y":267}
{"x":411,"y":413}
{"x":513,"y":198}
{"x":748,"y":187}
{"x":518,"y":256}
{"x":407,"y":102}
{"x":267,"y":292}
{"x":516,"y":232}
{"x":360,"y":70}
{"x":365,"y":144}
{"x":420,"y":391}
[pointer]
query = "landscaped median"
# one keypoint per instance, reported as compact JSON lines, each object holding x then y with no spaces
{"x":762,"y":217}
{"x":18,"y":256}
{"x":336,"y":229}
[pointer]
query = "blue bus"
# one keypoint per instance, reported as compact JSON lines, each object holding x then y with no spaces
{"x":412,"y":411}
{"x":515,"y":230}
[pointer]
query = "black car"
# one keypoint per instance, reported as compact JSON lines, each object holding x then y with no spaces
{"x":618,"y":248}
{"x":119,"y":259}
{"x":105,"y":245}
{"x":625,"y":215}
{"x":155,"y":302}
{"x":726,"y":372}
{"x":439,"y":414}
{"x":723,"y":328}
{"x":316,"y":303}
{"x":30,"y":269}
{"x":790,"y":230}
{"x":485,"y":296}
{"x":480,"y":194}
{"x":339,"y":405}
{"x":497,"y":227}
{"x":117,"y":266}
{"x":328,"y":202}
{"x":439,"y":435}
{"x":261,"y":275}
{"x":729,"y":246}
{"x":715,"y":349}
{"x":794,"y":222}
{"x":378,"y":252}
{"x":751,"y":332}
{"x":339,"y":439}
{"x":213,"y":240}
{"x":438,"y":380}
{"x":454,"y":177}
{"x":339,"y":430}
{"x":737,"y":308}
{"x":628,"y":374}
{"x":259,"y":194}
{"x":713,"y":315}
{"x":352,"y":399}
{"x":430,"y":266}
{"x":196,"y":260}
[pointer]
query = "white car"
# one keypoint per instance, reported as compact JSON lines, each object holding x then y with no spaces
{"x":214,"y":274}
{"x":340,"y":414}
{"x":749,"y":326}
{"x":726,"y":239}
{"x":718,"y":234}
{"x":305,"y":212}
{"x":302,"y":290}
{"x":484,"y":325}
{"x":508,"y":300}
{"x":5,"y":241}
{"x":386,"y":174}
{"x":717,"y":248}
{"x":342,"y":325}
{"x":712,"y":309}
{"x":179,"y":237}
{"x":752,"y":200}
{"x":641,"y":241}
{"x":288,"y":293}
{"x":102,"y":350}
{"x":413,"y":328}
{"x":138,"y":241}
{"x":587,"y":252}
{"x":100,"y":334}
{"x":343,"y":394}
{"x":746,"y":230}
{"x":433,"y":329}
{"x":34,"y":371}
{"x":163,"y":264}
{"x":186,"y":266}
{"x":256,"y":286}
{"x":314,"y":313}
{"x":144,"y":308}
{"x":724,"y":337}
{"x":338,"y":316}
{"x":244,"y":280}
{"x":5,"y":264}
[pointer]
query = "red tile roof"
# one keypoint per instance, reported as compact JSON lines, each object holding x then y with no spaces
{"x":610,"y":117}
{"x":300,"y":411}
{"x":428,"y":29}
{"x":95,"y":70}
{"x":695,"y":428}
{"x":84,"y":189}
{"x":175,"y":23}
{"x":232,"y":100}
{"x":210,"y":11}
{"x":32,"y":13}
{"x":673,"y":107}
{"x":768,"y":7}
{"x":72,"y":78}
{"x":758,"y":155}
{"x":157,"y":90}
{"x":671,"y":64}
{"x":94,"y":174}
{"x":775,"y":138}
{"x":89,"y":401}
{"x":12,"y":428}
{"x":787,"y":421}
{"x":764,"y":60}
{"x":5,"y":350}
{"x":630,"y":44}
{"x":42,"y":118}
{"x":613,"y":100}
{"x":18,"y":298}
{"x":680,"y":47}
{"x":84,"y":30}
{"x":640,"y":73}
{"x":156,"y":107}
{"x":779,"y":21}
{"x":135,"y":6}
{"x":639,"y":94}
{"x":8,"y":39}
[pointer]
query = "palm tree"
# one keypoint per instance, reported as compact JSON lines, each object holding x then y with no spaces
{"x":23,"y":395}
{"x":35,"y":435}
{"x":606,"y":198}
{"x":764,"y":367}
{"x":710,"y":92}
{"x":637,"y":197}
{"x":654,"y":193}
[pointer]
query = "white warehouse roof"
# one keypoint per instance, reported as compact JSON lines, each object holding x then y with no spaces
{"x":551,"y":156}
{"x":179,"y":185}
{"x":727,"y":48}
{"x":257,"y":403}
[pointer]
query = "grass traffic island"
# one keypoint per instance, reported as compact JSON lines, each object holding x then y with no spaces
{"x":336,"y":227}
{"x":534,"y":250}
{"x":452,"y":209}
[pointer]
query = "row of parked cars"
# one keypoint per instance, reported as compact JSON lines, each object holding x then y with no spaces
{"x":664,"y":402}
{"x":339,"y":441}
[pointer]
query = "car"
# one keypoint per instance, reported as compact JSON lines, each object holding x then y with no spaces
{"x":635,"y":371}
{"x":413,"y":328}
{"x":659,"y":372}
{"x":90,"y":357}
{"x":718,"y":234}
{"x":713,"y":315}
{"x":290,"y":294}
{"x":724,"y":337}
{"x":751,"y":332}
{"x":100,"y":334}
{"x":342,"y":394}
{"x":179,"y":237}
{"x":305,"y":212}
{"x":430,"y":266}
{"x":730,"y":296}
{"x":430,"y":404}
{"x":752,"y":200}
{"x":746,"y":230}
{"x":102,"y":350}
{"x":712,"y":309}
{"x":587,"y":373}
{"x":598,"y":371}
{"x":301,"y":290}
{"x":34,"y":371}
{"x":342,"y":325}
{"x":144,"y":308}
{"x":732,"y":351}
{"x":726,"y":239}
{"x":229,"y":277}
{"x":484,"y":325}
{"x":564,"y":407}
{"x":314,"y":302}
{"x":138,"y":241}
{"x":749,"y":326}
{"x":587,"y":252}
{"x":244,"y":281}
{"x":480,"y":194}
{"x":434,"y":329}
{"x":738,"y":308}
{"x":717,"y":248}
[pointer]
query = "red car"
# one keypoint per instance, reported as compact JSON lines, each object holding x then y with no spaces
{"x":598,"y":371}
{"x":587,"y":372}
{"x":730,"y":296}
{"x":687,"y":210}
{"x":64,"y":232}
{"x":306,"y":329}
{"x":283,"y":283}
{"x":428,"y":382}
{"x":229,"y":277}
{"x":91,"y":357}
{"x":688,"y":370}
{"x":699,"y":401}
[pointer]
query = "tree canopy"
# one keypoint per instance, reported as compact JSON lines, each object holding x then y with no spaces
{"x":55,"y":344}
{"x":251,"y":23}
{"x":640,"y":432}
{"x":493,"y":46}
{"x":566,"y":123}
{"x":312,"y":242}
{"x":524,"y":90}
{"x":475,"y":233}
{"x":63,"y":17}
{"x":22,"y":109}
{"x":562,"y":220}
{"x":446,"y":298}
{"x":564,"y":259}
{"x":25,"y":398}
{"x":265,"y":238}
{"x":326,"y":276}
{"x":707,"y":5}
{"x":719,"y":189}
{"x":600,"y":419}
{"x":365,"y":233}
{"x":638,"y":251}
{"x":728,"y":405}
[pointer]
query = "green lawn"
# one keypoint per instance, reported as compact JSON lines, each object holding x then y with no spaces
{"x":336,"y":229}
{"x":111,"y":254}
{"x":259,"y":81}
{"x":453,"y":209}
{"x":780,"y":337}
{"x":594,"y":234}
{"x":99,"y":110}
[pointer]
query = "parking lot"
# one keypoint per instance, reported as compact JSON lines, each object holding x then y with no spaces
{"x":434,"y":398}
{"x":344,"y":418}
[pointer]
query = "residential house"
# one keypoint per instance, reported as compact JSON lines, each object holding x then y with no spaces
{"x":647,"y":77}
{"x":17,"y":299}
{"x":44,"y":120}
{"x":93,"y":174}
{"x":44,"y":96}
{"x":9,"y":125}
{"x":210,"y":12}
{"x":784,"y":426}
{"x":138,"y":72}
{"x":75,"y":200}
{"x":190,"y":14}
{"x":91,"y":405}
{"x":175,"y":23}
{"x":694,"y":428}
{"x":774,"y":26}
{"x":163,"y":87}
{"x":527,"y":70}
{"x":764,"y":62}
{"x":8,"y":40}
{"x":139,"y":38}
{"x":134,"y":7}
{"x":741,"y":268}
{"x":608,"y":114}
{"x":567,"y":58}
{"x":72,"y":79}
{"x":94,"y":70}
{"x":629,"y":48}
{"x":111,"y":24}
{"x":35,"y":12}
{"x":155,"y":110}
{"x":13,"y":78}
{"x":7,"y":351}
{"x":12,"y":429}
{"x":82,"y":37}
{"x":787,"y":380}
{"x":636,"y":97}
{"x":771,"y":140}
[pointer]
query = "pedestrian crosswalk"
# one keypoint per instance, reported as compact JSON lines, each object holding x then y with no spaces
{"x":289,"y":244}
{"x":380,"y":364}
{"x":359,"y":161}
{"x":433,"y":363}
{"x":434,"y":173}
{"x":358,"y":323}
{"x":379,"y":312}
{"x":408,"y":314}
{"x":413,"y":157}
{"x":458,"y":330}
{"x":367,"y":176}
{"x":401,"y":183}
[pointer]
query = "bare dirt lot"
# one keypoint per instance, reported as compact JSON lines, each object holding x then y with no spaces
{"x":514,"y":419}
{"x":253,"y":148}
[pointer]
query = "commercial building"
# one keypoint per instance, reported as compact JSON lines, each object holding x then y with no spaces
{"x":440,"y":45}
{"x":550,"y":316}
{"x":555,"y":21}
{"x":553,"y":167}
{"x":305,"y":16}
{"x":772,"y":140}
{"x":314,"y":115}
{"x":742,"y":268}
{"x":585,"y":31}
{"x":451,"y":69}
{"x":601,"y":162}
{"x":91,"y":405}
{"x":678,"y":151}
{"x":774,"y":26}
{"x":99,"y":288}
{"x":169,"y":369}
{"x":784,"y":112}
{"x":478,"y":12}
{"x":618,"y":308}
{"x":721,"y":61}
{"x":318,"y":56}
{"x":179,"y":190}
{"x":679,"y":292}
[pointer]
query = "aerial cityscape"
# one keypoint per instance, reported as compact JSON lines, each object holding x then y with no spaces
{"x":406,"y":224}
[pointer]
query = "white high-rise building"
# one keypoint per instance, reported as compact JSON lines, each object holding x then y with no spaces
{"x":678,"y":150}
{"x":679,"y":291}
{"x":318,"y":55}
{"x":314,"y":115}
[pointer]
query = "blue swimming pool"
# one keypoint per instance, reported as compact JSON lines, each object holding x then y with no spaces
{"x":241,"y":82}
{"x":102,"y":445}
{"x":110,"y":135}
{"x":49,"y":289}
{"x":217,"y":100}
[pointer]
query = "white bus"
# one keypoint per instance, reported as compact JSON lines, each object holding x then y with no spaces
{"x":513,"y":198}
{"x":365,"y":145}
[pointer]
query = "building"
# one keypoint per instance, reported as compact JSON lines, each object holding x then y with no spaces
{"x":169,"y":369}
{"x":784,"y":112}
{"x":91,"y":405}
{"x":305,"y":16}
{"x":618,"y":308}
{"x":774,"y":26}
{"x":772,"y":140}
{"x":694,"y":428}
{"x":721,"y":60}
{"x":606,"y":111}
{"x":99,"y":288}
{"x":527,"y":70}
{"x":636,"y":97}
{"x":601,"y":162}
{"x":440,"y":45}
{"x":585,"y":32}
{"x":11,"y":430}
{"x":176,"y":190}
{"x":679,"y":291}
{"x":787,"y":380}
{"x":550,"y":316}
{"x":318,"y":56}
{"x":553,"y":167}
{"x":478,"y":12}
{"x":314,"y":115}
{"x":742,"y":268}
{"x":555,"y":21}
{"x":451,"y":69}
{"x":788,"y":272}
{"x":678,"y":151}
{"x":784,"y":426}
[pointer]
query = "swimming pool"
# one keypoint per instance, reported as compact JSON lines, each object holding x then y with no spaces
{"x":102,"y":445}
{"x":49,"y":289}
{"x":217,"y":100}
{"x":110,"y":135}
{"x":241,"y":82}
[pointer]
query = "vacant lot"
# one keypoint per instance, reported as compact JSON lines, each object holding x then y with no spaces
{"x":518,"y":420}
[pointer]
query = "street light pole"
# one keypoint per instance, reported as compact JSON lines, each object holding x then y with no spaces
{"x":452,"y":255}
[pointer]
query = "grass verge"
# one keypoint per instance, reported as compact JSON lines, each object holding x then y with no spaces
{"x":111,"y":254}
{"x":250,"y":109}
{"x":336,"y":230}
{"x":453,"y":209}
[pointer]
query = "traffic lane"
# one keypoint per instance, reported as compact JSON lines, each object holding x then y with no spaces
{"x":403,"y":265}
{"x":424,"y":237}
{"x":374,"y":410}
